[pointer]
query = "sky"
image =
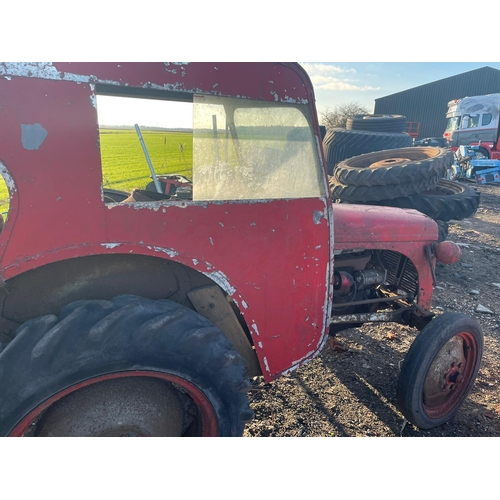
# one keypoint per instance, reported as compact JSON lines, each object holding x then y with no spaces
{"x":363,"y":82}
{"x":334,"y":83}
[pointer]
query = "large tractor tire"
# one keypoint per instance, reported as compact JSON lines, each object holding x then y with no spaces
{"x":377,"y":123}
{"x":340,"y":144}
{"x":130,"y":366}
{"x":397,"y":166}
{"x":439,"y":369}
{"x":377,"y":195}
{"x":448,"y":200}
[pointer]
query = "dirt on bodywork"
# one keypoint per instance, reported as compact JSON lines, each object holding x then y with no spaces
{"x":350,"y":389}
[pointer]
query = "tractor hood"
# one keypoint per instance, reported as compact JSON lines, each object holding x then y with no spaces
{"x":363,"y":226}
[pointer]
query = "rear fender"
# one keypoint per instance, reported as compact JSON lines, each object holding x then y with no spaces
{"x":47,"y":289}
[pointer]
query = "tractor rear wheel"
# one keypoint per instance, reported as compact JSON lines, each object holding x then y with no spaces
{"x":130,"y":366}
{"x":447,"y":200}
{"x":395,"y":166}
{"x":439,"y":369}
{"x":378,"y":195}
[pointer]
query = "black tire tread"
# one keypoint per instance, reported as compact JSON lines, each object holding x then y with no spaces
{"x":375,"y":194}
{"x":378,"y":123}
{"x":456,"y":201}
{"x":340,"y":144}
{"x":92,"y":338}
{"x":412,"y":172}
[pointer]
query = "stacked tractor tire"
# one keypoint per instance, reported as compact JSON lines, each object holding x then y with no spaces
{"x":378,"y":166}
{"x":364,"y":134}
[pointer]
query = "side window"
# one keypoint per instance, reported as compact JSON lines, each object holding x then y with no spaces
{"x":474,"y":121}
{"x":452,"y":123}
{"x":162,"y":143}
{"x":253,"y":150}
{"x":486,"y":119}
{"x":214,"y":148}
{"x":465,"y":121}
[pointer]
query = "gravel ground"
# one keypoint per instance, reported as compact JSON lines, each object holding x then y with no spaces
{"x":350,"y":388}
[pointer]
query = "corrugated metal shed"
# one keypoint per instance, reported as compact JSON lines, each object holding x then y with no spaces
{"x":427,"y":104}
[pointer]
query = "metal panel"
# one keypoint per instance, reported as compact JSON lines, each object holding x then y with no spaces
{"x":428,"y":103}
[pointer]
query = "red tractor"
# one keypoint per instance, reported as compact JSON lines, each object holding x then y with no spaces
{"x":136,"y":314}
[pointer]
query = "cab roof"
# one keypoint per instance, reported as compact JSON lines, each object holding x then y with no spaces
{"x":276,"y":82}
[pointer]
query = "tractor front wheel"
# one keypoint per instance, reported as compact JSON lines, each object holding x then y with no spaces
{"x":439,"y":370}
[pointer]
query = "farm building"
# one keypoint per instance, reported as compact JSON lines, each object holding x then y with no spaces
{"x":427,"y":104}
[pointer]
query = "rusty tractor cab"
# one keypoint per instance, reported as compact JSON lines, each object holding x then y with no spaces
{"x":162,"y":303}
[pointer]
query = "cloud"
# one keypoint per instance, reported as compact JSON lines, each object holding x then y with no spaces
{"x":330,"y":77}
{"x":337,"y":84}
{"x":325,"y":69}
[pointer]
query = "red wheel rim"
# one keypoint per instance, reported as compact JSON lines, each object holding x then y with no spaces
{"x":207,"y":415}
{"x":449,"y":375}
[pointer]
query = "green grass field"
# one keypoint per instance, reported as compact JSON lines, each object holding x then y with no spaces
{"x":124,"y":165}
{"x":4,"y":198}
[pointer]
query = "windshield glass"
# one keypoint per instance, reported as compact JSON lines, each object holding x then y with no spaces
{"x":452,"y":123}
{"x":245,"y":149}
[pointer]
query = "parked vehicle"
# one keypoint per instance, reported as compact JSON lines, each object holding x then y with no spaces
{"x":147,"y":316}
{"x":467,"y":167}
{"x":473,"y":121}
